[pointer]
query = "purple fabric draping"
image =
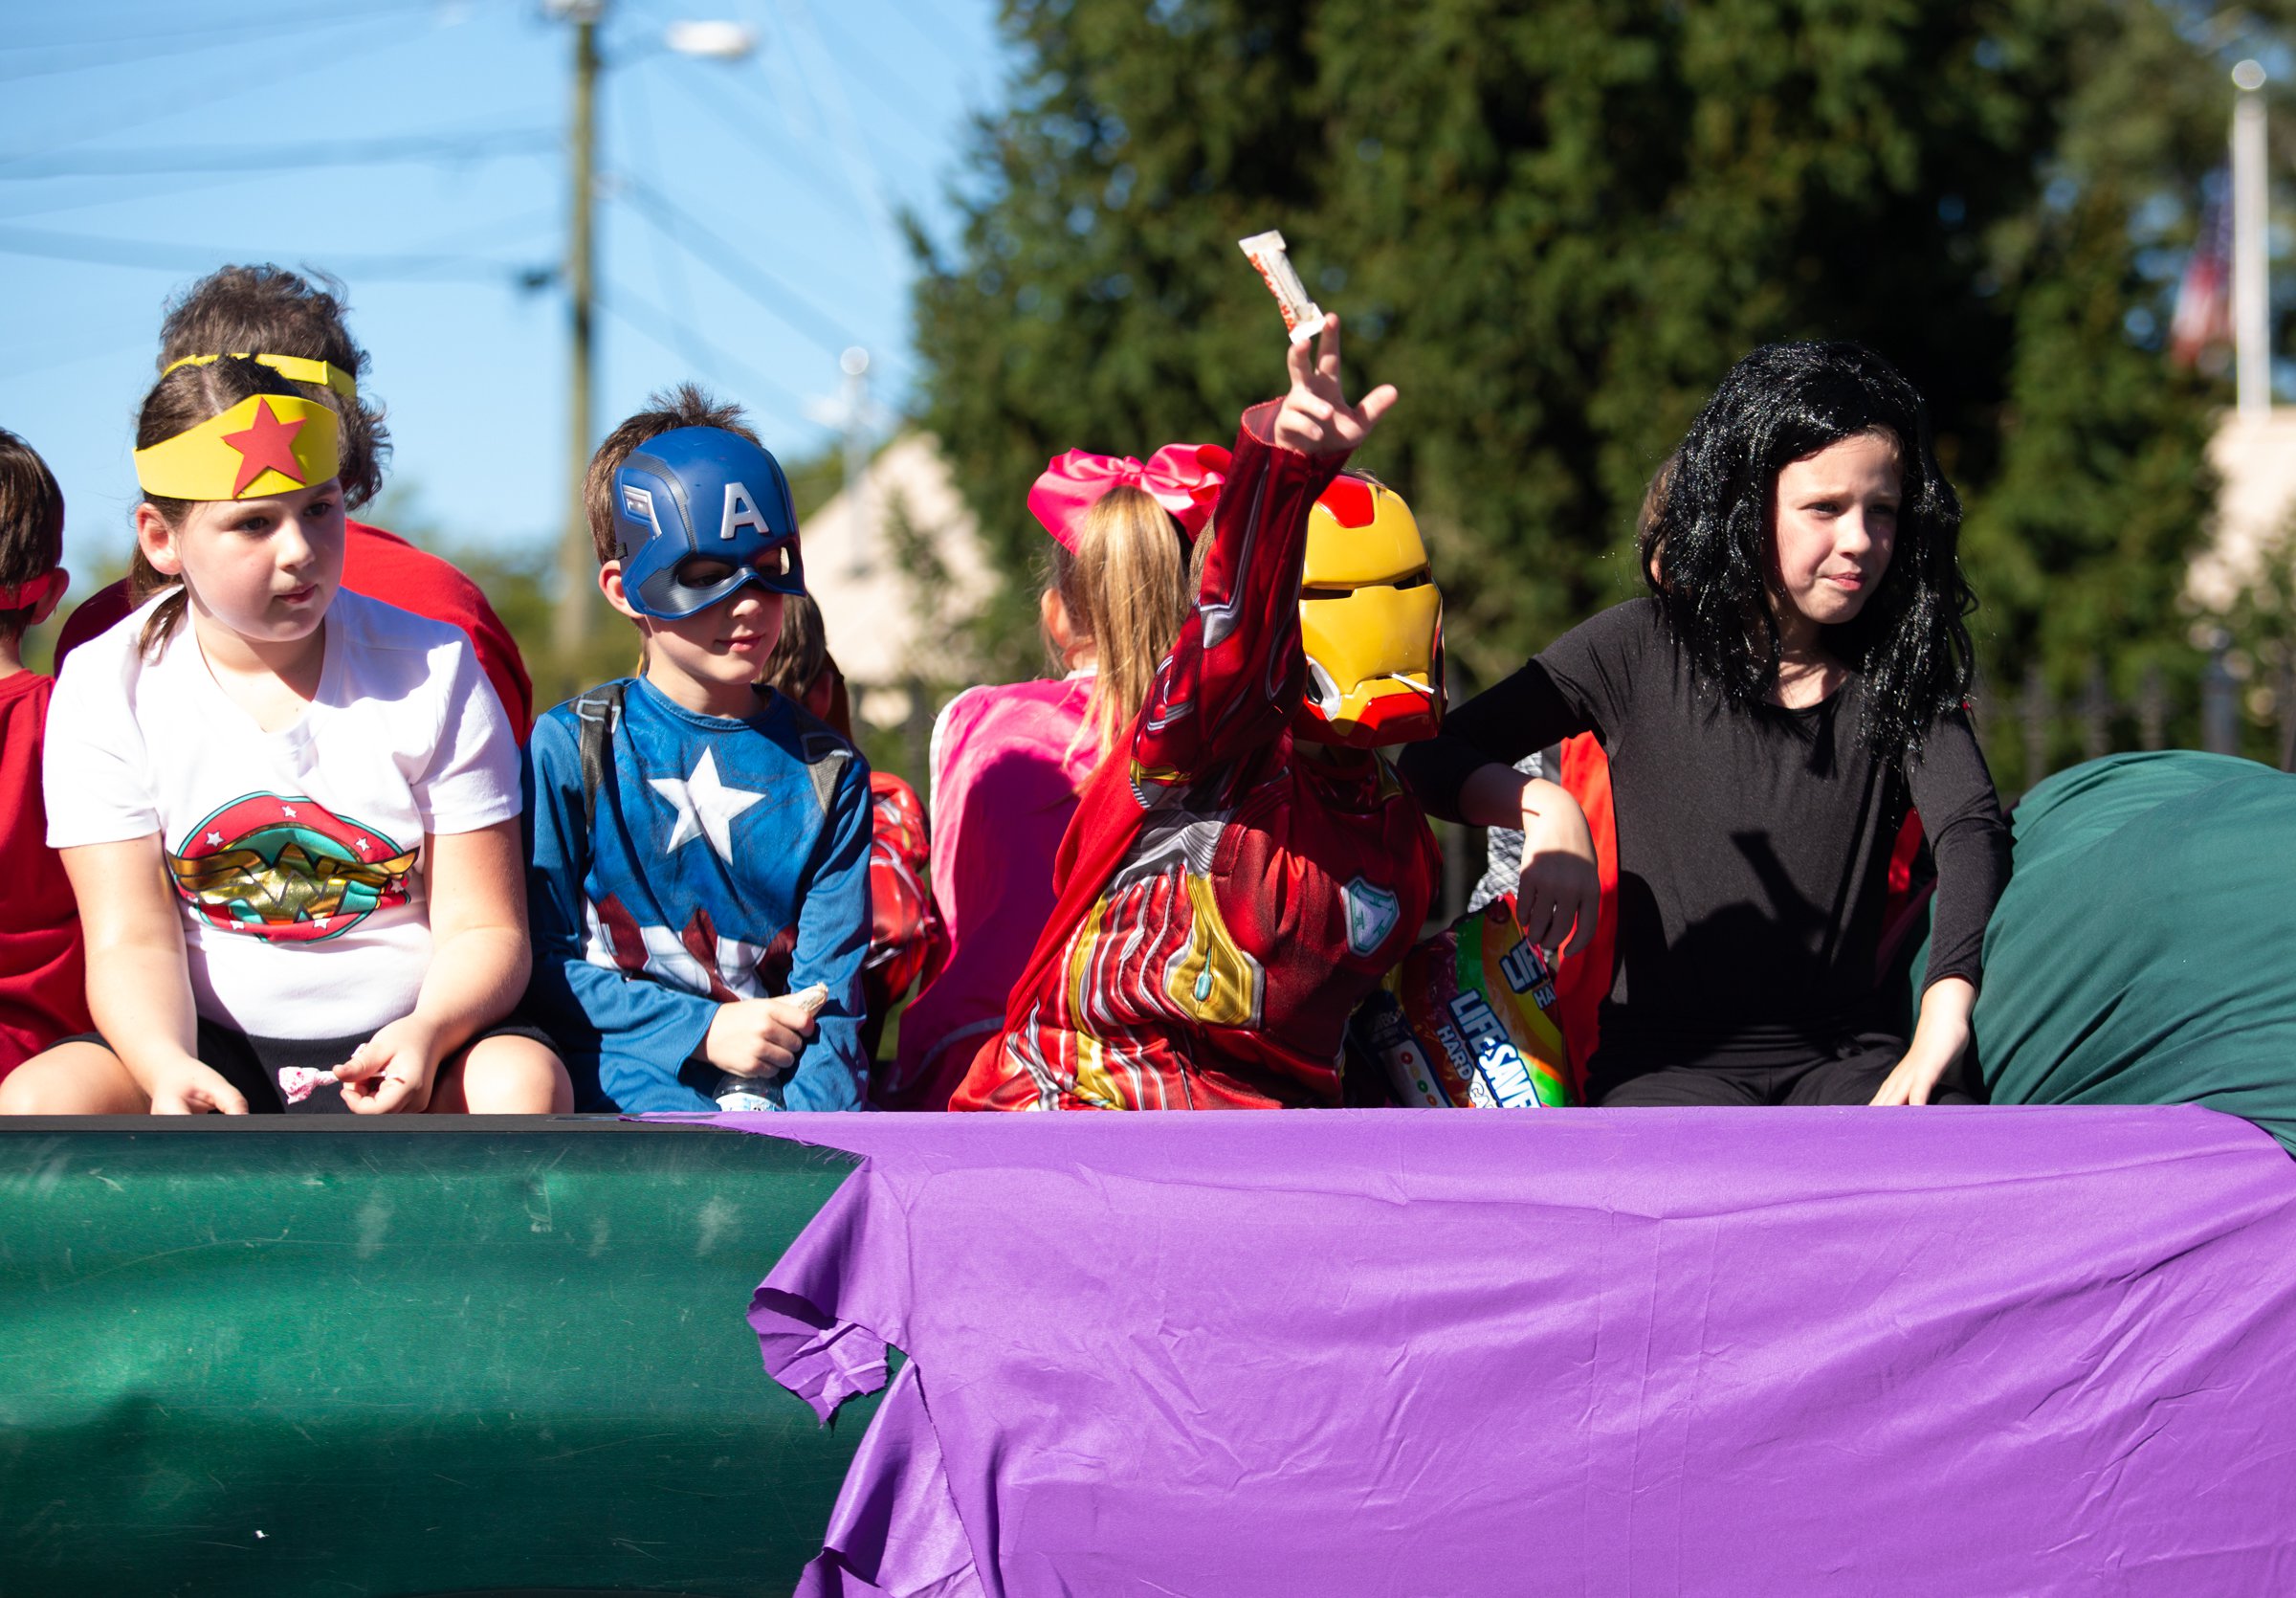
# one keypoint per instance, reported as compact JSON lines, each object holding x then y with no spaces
{"x":1774,"y":1352}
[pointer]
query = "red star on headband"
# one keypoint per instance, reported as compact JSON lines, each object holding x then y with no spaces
{"x":268,"y":445}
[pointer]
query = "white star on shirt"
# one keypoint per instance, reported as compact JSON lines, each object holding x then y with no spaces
{"x":705,"y":807}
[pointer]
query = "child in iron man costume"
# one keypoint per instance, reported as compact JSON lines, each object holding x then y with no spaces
{"x":1247,"y":868}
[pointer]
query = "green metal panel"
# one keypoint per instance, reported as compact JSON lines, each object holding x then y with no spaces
{"x":370,"y":1358}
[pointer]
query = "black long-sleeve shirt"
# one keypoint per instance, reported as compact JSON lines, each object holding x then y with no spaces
{"x":1754,"y":842}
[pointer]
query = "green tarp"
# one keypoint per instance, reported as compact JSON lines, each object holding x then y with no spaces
{"x":2145,"y":952}
{"x":362,"y":1359}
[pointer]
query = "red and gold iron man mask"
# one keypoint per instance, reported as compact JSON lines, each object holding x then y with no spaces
{"x":1370,"y":619}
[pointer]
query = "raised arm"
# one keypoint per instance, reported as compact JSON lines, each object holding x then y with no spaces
{"x":1234,"y":678}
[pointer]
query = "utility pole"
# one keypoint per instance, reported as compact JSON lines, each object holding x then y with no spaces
{"x":577,"y":559}
{"x":2251,"y":313}
{"x":854,"y":401}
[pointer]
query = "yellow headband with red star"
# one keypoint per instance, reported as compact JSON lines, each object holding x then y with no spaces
{"x":265,"y":444}
{"x":299,"y":368}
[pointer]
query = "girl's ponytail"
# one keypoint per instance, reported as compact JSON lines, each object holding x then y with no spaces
{"x":1125,"y":584}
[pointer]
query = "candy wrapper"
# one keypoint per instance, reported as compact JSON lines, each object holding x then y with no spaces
{"x":1303,"y":317}
{"x":1468,"y":1020}
{"x":750,"y":1092}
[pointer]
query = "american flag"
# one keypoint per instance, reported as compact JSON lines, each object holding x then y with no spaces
{"x":2205,"y":297}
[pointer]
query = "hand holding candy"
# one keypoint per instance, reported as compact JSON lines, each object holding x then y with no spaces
{"x":1315,"y":418}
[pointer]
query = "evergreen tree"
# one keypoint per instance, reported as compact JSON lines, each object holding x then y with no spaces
{"x":1554,"y":226}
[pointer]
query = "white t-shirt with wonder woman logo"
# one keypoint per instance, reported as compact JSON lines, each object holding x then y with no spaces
{"x":296,"y":854}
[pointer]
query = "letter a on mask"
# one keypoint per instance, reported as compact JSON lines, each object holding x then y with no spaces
{"x":741,"y":513}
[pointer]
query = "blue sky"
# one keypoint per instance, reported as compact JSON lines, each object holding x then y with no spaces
{"x":747,"y":228}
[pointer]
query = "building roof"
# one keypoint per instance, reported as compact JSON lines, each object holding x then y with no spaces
{"x":897,"y":566}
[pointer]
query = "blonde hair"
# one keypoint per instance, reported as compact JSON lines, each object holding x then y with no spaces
{"x":1125,"y":587}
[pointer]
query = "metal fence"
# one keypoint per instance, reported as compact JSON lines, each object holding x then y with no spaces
{"x":2238,"y":703}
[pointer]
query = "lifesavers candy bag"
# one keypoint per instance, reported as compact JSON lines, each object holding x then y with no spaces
{"x":1468,"y":1020}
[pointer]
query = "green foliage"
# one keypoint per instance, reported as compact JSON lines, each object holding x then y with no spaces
{"x":1554,"y":226}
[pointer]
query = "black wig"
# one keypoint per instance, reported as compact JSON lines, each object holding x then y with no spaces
{"x":1706,"y":550}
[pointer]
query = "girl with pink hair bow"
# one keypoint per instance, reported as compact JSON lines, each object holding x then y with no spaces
{"x":1009,"y":761}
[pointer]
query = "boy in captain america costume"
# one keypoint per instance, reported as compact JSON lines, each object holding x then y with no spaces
{"x":1234,"y":889}
{"x":698,"y":847}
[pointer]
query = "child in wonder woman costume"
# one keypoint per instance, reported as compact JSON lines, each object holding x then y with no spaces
{"x":289,"y":812}
{"x":1231,"y":888}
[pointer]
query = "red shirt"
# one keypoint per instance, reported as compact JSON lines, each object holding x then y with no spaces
{"x":381,"y":565}
{"x":905,"y":940}
{"x":43,"y":976}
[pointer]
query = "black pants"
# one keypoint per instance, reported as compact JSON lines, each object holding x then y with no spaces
{"x":293,"y":1076}
{"x":1851,"y":1074}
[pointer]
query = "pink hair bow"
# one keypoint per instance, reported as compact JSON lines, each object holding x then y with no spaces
{"x":1185,"y":479}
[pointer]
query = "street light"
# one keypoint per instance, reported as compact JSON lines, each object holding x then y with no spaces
{"x":713,"y":42}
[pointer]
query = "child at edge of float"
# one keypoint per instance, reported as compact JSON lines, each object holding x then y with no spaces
{"x":43,"y":982}
{"x":1009,"y":762}
{"x":1790,"y":687}
{"x":905,"y":940}
{"x":289,"y":812}
{"x":299,"y":325}
{"x":1231,"y":888}
{"x":699,"y":843}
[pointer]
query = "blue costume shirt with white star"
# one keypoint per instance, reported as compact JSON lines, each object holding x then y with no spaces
{"x":729,"y":859}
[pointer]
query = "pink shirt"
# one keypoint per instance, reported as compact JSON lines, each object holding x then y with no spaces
{"x":1007,"y":765}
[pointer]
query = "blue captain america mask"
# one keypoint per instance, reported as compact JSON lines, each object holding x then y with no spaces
{"x":702,"y":497}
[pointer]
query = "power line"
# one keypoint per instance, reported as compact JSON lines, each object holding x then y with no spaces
{"x":80,"y":198}
{"x":941,"y":37}
{"x":96,"y":249}
{"x":732,"y":264}
{"x":421,"y":149}
{"x":910,"y":95}
{"x":71,"y":349}
{"x":302,"y":18}
{"x":682,"y":340}
{"x":513,"y":227}
{"x":669,"y":261}
{"x":845,"y":199}
{"x":109,"y":52}
{"x":111,"y":120}
{"x":824,"y":85}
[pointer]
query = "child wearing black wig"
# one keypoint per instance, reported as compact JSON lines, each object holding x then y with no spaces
{"x":1791,"y":685}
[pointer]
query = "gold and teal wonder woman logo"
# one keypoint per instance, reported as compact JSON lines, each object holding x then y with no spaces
{"x":288,"y":869}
